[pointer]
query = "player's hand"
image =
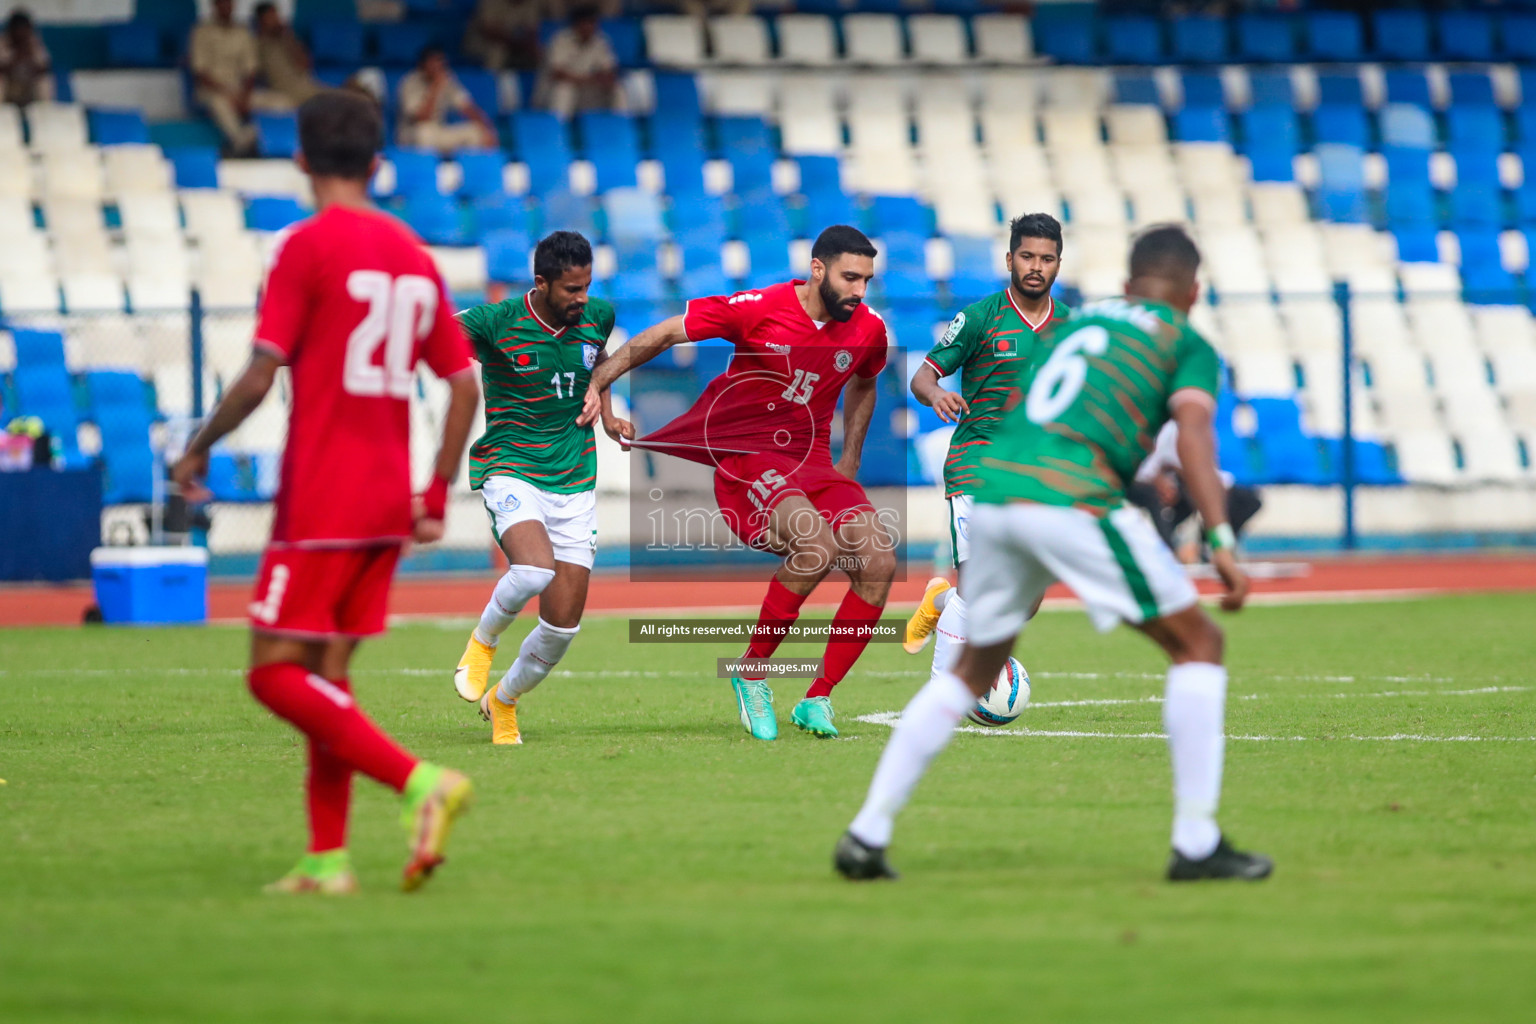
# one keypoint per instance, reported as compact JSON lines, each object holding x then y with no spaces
{"x":591,"y":408}
{"x":950,"y":407}
{"x":620,"y":430}
{"x":1235,"y":580}
{"x":428,"y":531}
{"x":189,"y":473}
{"x":848,"y":467}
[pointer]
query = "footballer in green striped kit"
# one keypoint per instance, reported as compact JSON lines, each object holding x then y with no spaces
{"x":536,"y":468}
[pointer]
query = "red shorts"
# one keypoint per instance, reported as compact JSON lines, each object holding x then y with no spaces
{"x":317,"y":593}
{"x":749,"y":487}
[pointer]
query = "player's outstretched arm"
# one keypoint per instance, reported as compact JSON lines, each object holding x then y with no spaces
{"x":616,"y":427}
{"x":1197,"y":455}
{"x":240,"y":400}
{"x":926,"y":389}
{"x":637,"y":351}
{"x":858,"y":410}
{"x":463,"y":400}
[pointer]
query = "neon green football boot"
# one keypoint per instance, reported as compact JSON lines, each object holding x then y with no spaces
{"x":754,"y":700}
{"x":328,"y":873}
{"x":814,"y":715}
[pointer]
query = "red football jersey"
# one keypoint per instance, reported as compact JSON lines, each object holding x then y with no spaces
{"x":352,"y":302}
{"x":780,"y":391}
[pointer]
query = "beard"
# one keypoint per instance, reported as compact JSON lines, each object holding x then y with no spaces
{"x":839,"y":308}
{"x":1031,"y":290}
{"x":571,"y":315}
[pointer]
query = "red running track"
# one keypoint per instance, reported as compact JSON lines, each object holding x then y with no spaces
{"x":43,"y":605}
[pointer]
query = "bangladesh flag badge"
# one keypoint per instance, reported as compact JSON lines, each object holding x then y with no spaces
{"x":523,"y":362}
{"x":1007,"y":348}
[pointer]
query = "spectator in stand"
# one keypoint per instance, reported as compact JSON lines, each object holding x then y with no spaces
{"x":580,"y":70}
{"x":24,"y":62}
{"x":223,"y":56}
{"x":431,"y":93}
{"x":283,"y":61}
{"x":505,"y":33}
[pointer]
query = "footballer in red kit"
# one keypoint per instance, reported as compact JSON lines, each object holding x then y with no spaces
{"x":765,"y":426}
{"x":352,"y":303}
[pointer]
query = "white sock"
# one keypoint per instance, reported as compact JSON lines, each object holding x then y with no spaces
{"x":949,"y":633}
{"x":943,"y":597}
{"x":513,"y":590}
{"x":923,"y":731}
{"x":1194,"y":713}
{"x":541,"y":651}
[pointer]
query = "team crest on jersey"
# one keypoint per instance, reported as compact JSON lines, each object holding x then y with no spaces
{"x":509,"y":504}
{"x":523,"y":362}
{"x":589,"y":356}
{"x":1006,"y":348}
{"x":953,"y":330}
{"x":842,"y":360}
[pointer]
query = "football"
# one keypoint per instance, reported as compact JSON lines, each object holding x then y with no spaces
{"x":1007,"y":698}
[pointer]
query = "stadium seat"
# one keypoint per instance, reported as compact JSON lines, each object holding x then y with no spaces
{"x":674,"y":40}
{"x":56,"y":127}
{"x":1200,"y":40}
{"x":481,"y":173}
{"x":1266,"y":38}
{"x":273,"y":213}
{"x":1001,"y":38}
{"x":938,"y":39}
{"x":38,"y":348}
{"x":633,"y":215}
{"x":507,"y":254}
{"x":612,"y":143}
{"x":873,"y":40}
{"x":415,"y":171}
{"x":806,"y":39}
{"x":277,"y":135}
{"x":1268,"y":87}
{"x":1408,"y":85}
{"x":740,"y":39}
{"x":497,"y":212}
{"x":1401,"y":34}
{"x":1341,"y":125}
{"x":1466,"y":35}
{"x":118,"y":127}
{"x":561,"y":210}
{"x":1333,"y":35}
{"x":119,"y":409}
{"x":1416,"y":243}
{"x":1339,"y":88}
{"x":1203,"y":89}
{"x":1407,"y":126}
{"x":399,"y":44}
{"x":1471,"y":89}
{"x":1518,"y":33}
{"x":1476,"y":204}
{"x":1475,"y":129}
{"x":1342,"y":186}
{"x":338,"y":43}
{"x":44,"y":392}
{"x":1133,"y":39}
{"x":626,"y":38}
{"x":1066,"y":36}
{"x":1202,"y":124}
{"x":542,"y":145}
{"x":1273,"y":139}
{"x":135,"y":44}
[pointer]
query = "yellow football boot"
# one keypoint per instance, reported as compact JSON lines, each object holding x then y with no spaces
{"x":474,"y":671}
{"x":920,"y":625}
{"x":434,"y":799}
{"x":502,"y":716}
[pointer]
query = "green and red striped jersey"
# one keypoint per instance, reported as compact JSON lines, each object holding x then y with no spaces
{"x":991,"y":343}
{"x":535,"y":378}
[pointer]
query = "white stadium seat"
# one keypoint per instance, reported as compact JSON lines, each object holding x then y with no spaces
{"x":92,"y":292}
{"x":937,"y":39}
{"x":873,"y":39}
{"x":736,"y":93}
{"x":10,"y":128}
{"x":1069,"y":129}
{"x":807,"y":39}
{"x":136,"y":170}
{"x":740,"y":39}
{"x":57,"y":127}
{"x":1135,"y":124}
{"x":1491,"y":455}
{"x":74,"y":175}
{"x":212,"y":215}
{"x":150,"y":216}
{"x":674,"y":40}
{"x":810,"y":124}
{"x":33,"y":292}
{"x":1277,"y":203}
{"x":1425,"y":456}
{"x":1002,"y":38}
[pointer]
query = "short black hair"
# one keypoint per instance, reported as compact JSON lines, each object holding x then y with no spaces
{"x":1165,"y":251}
{"x":584,"y":12}
{"x":340,"y":133}
{"x":430,"y":50}
{"x":20,"y":18}
{"x":262,"y":8}
{"x":839,"y":239}
{"x":1034,"y":225}
{"x":558,"y":252}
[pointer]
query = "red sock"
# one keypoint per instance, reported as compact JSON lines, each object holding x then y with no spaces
{"x":328,"y":793}
{"x":852,"y":627}
{"x":780,"y":610}
{"x":326,"y":714}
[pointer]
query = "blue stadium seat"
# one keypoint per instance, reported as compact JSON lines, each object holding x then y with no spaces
{"x":1408,"y":85}
{"x":1338,"y":88}
{"x":45,"y":392}
{"x":700,"y":222}
{"x":677,"y":95}
{"x":747,"y":144}
{"x":1407,"y":126}
{"x":1133,"y":39}
{"x":1200,"y":40}
{"x":339,"y":43}
{"x":683,"y":169}
{"x":1466,"y":35}
{"x":1479,"y":247}
{"x":497,"y":212}
{"x":1490,"y":284}
{"x":1518,"y":32}
{"x":764,"y":217}
{"x":1416,"y":243}
{"x":892,"y":214}
{"x":1136,"y":87}
{"x":634,"y":214}
{"x":820,"y":175}
{"x":1341,"y":192}
{"x":1401,"y":35}
{"x":135,"y":44}
{"x":1201,"y":89}
{"x":1525,"y":205}
{"x":1333,"y":35}
{"x":635,"y":286}
{"x":1477,"y":167}
{"x":1066,"y":36}
{"x":769,"y":259}
{"x":678,"y":120}
{"x":415,"y":171}
{"x":976,"y":268}
{"x":627,"y":39}
{"x":38,"y":348}
{"x":1269,"y":86}
{"x":1525,"y":118}
{"x":1341,"y":125}
{"x":1471,"y":89}
{"x":1201,"y":124}
{"x":121,"y":414}
{"x":705,"y":280}
{"x":273,"y":213}
{"x":399,"y":44}
{"x":277,"y":134}
{"x":118,"y":127}
{"x":482,"y":88}
{"x":507,"y":255}
{"x":1478,"y":204}
{"x":612,"y":143}
{"x":438,"y":219}
{"x":1291,"y":458}
{"x":1406,"y":164}
{"x":1266,"y":38}
{"x":542,"y":144}
{"x":1410,"y":202}
{"x":481,"y":173}
{"x":1273,"y":139}
{"x":1476,"y":129}
{"x":1371,"y":465}
{"x":194,"y":166}
{"x":562,"y":210}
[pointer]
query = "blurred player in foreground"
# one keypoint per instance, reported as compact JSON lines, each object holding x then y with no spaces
{"x":1050,"y":505}
{"x":536,"y":468}
{"x":991,"y":343}
{"x":352,"y":303}
{"x":765,"y":425}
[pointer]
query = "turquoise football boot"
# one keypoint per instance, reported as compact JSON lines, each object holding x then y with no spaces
{"x":755,"y":702}
{"x":814,"y":715}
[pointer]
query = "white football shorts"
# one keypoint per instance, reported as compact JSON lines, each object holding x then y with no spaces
{"x":569,"y":519}
{"x":960,"y":528}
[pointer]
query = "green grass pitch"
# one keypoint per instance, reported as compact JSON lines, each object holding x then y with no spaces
{"x":641,"y":859}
